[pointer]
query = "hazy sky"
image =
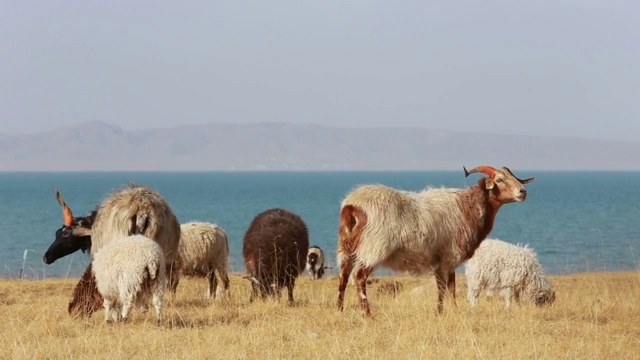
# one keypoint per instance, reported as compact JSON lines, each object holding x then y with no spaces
{"x":543,"y":67}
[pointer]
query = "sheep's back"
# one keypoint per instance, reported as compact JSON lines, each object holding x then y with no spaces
{"x":501,"y":264}
{"x":124,"y":261}
{"x":114,"y":216}
{"x":276,"y":242}
{"x":201,"y":245}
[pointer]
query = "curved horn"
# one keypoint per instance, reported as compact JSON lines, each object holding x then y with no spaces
{"x":483,"y":169}
{"x":66,"y":211}
{"x":522,"y":181}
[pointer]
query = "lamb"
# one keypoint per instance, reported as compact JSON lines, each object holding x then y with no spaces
{"x":130,"y":270}
{"x":275,"y":247}
{"x":203,"y":250}
{"x":134,"y":210}
{"x":431,"y":231}
{"x":512,"y":270}
{"x":315,"y":262}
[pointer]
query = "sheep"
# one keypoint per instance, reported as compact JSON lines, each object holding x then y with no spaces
{"x":86,"y":298}
{"x":431,"y":231}
{"x":512,"y":270}
{"x":134,"y":210}
{"x":274,"y":248}
{"x":137,"y":210}
{"x":315,"y":262}
{"x":203,"y":250}
{"x":130,"y":270}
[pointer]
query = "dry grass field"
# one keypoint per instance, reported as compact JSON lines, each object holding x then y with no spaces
{"x":596,"y":316}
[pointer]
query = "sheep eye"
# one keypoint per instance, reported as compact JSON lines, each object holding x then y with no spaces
{"x":499,"y":180}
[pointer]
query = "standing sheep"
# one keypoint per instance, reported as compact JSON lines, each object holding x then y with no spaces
{"x":275,"y":249}
{"x":134,"y":210}
{"x":203,"y":250}
{"x":315,"y":262}
{"x":431,"y":231}
{"x":130,"y":270}
{"x":512,"y":270}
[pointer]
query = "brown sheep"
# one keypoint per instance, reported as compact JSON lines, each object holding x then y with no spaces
{"x":275,"y":252}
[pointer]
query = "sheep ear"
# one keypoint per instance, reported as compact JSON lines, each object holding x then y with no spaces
{"x":489,"y":183}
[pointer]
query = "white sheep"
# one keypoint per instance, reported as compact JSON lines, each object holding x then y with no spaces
{"x":431,"y":231}
{"x":315,"y":262}
{"x":203,"y":251}
{"x":130,"y":270}
{"x":511,"y":270}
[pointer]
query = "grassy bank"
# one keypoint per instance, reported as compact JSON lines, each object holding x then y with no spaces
{"x":596,"y":316}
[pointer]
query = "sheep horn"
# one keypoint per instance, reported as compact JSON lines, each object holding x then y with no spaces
{"x":483,"y":169}
{"x":522,"y":181}
{"x":66,"y":211}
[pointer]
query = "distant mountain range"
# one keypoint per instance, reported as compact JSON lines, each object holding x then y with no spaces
{"x":96,"y":146}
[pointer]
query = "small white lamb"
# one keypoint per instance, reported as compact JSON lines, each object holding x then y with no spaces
{"x":511,"y":270}
{"x":130,"y":270}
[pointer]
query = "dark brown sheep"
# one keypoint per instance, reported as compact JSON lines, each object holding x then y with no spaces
{"x":86,"y":298}
{"x":275,"y":252}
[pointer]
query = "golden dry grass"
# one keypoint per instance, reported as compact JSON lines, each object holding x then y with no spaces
{"x":596,"y":316}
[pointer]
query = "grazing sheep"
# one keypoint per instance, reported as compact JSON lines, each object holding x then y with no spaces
{"x":130,"y":270}
{"x":315,"y":262}
{"x":431,"y":231}
{"x":511,"y":270}
{"x":86,"y":298}
{"x":274,"y":249}
{"x":134,"y":210}
{"x":203,"y":250}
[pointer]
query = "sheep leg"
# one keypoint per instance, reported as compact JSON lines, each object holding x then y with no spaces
{"x":222,"y":272}
{"x":127,"y":302}
{"x":345,"y":270}
{"x":506,"y":295}
{"x":108,"y":305}
{"x":290,"y":284}
{"x":451,"y":286}
{"x":173,"y":277}
{"x":213,"y":284}
{"x":157,"y":301}
{"x":361,"y":285}
{"x":441,"y":282}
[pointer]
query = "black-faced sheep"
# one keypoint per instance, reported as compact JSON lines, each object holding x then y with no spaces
{"x":511,"y":270}
{"x":431,"y":231}
{"x":130,"y":270}
{"x":315,"y":262}
{"x":203,"y":251}
{"x":275,"y":249}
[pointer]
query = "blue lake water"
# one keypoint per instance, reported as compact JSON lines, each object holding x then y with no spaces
{"x":575,"y":221}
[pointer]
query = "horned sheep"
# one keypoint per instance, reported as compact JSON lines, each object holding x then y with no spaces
{"x":275,"y":248}
{"x":203,"y":251}
{"x":430,"y":231}
{"x":511,"y":270}
{"x":130,"y":270}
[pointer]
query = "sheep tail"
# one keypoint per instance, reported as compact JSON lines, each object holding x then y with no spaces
{"x":352,"y":223}
{"x":138,"y":224}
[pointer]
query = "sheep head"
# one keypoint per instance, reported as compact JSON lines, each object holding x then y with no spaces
{"x":503,"y":186}
{"x":545,"y":297}
{"x":74,"y":235}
